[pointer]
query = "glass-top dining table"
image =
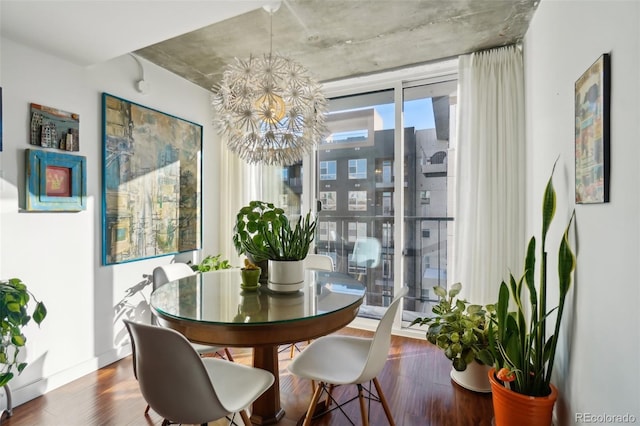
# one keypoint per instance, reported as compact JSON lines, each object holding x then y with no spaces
{"x":211,"y":308}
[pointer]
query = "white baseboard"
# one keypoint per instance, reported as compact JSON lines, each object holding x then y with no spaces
{"x":33,"y":390}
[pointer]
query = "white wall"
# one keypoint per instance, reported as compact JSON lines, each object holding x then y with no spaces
{"x":597,"y":371}
{"x":58,"y":255}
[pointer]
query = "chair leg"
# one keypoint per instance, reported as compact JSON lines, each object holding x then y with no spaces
{"x":312,"y":405}
{"x":383,"y":401}
{"x":329,"y":394}
{"x":228,"y":352}
{"x":146,"y":410}
{"x":363,"y":407}
{"x":245,"y":418}
{"x":293,"y":348}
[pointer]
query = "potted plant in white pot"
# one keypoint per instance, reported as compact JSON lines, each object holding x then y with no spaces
{"x":460,"y":329}
{"x":286,"y":247}
{"x":522,"y":344}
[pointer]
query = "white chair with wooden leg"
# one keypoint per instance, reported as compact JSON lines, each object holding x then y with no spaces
{"x":348,"y":360}
{"x":174,"y":271}
{"x":319,"y":261}
{"x":183,"y":387}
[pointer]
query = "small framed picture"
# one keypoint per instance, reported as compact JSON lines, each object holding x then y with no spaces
{"x":55,"y":181}
{"x":592,"y":96}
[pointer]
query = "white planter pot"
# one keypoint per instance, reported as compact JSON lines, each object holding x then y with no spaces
{"x":286,"y":276}
{"x":475,"y":377}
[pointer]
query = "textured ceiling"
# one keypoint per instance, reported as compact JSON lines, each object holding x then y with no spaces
{"x":335,"y":39}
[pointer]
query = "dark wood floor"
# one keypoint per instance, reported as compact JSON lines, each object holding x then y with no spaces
{"x":415,"y":381}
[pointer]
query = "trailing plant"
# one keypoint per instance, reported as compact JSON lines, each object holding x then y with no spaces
{"x":251,"y":221}
{"x":459,"y":328}
{"x":524,"y":354}
{"x":211,"y":263}
{"x":287,"y":243}
{"x":14,"y":315}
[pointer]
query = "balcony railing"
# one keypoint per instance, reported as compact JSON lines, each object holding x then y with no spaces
{"x":424,"y":258}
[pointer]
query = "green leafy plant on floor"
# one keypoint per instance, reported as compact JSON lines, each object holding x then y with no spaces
{"x":524,"y":353}
{"x":14,"y":315}
{"x":459,"y":328}
{"x":211,"y":263}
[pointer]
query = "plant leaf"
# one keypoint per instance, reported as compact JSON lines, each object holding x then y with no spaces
{"x":566,"y":261}
{"x":548,"y":205}
{"x":39,"y":313}
{"x":440,"y":291}
{"x":455,"y":290}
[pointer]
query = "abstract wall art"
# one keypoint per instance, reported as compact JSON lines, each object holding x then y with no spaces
{"x":151,"y":182}
{"x":592,"y":96}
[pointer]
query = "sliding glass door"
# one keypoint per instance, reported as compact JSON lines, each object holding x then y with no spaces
{"x":381,"y":185}
{"x":355,"y":184}
{"x":429,"y":117}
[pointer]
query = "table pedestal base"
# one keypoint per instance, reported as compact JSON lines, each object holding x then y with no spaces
{"x":266,"y":409}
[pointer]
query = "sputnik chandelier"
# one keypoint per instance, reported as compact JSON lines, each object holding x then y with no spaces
{"x":268,"y":108}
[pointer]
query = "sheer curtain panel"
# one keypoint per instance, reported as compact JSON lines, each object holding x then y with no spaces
{"x":237,"y":184}
{"x":489,"y":226}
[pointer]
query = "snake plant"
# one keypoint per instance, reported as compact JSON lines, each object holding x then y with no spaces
{"x":521,"y":347}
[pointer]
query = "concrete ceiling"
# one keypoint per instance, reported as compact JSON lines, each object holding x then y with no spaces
{"x":333,"y":39}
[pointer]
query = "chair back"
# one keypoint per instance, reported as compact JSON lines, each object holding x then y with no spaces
{"x":173,"y":271}
{"x":319,"y":261}
{"x":171,"y":375}
{"x":366,"y":252}
{"x":379,"y":350}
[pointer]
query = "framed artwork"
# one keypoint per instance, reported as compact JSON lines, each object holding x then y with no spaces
{"x":151,"y":182}
{"x":592,"y":98}
{"x":55,"y":181}
{"x":54,"y":128}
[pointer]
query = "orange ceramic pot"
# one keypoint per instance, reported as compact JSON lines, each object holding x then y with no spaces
{"x":511,"y":408}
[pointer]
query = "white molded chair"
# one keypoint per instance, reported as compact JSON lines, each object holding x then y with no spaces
{"x":342,"y":360}
{"x":366,"y":252}
{"x":183,"y":387}
{"x":319,"y":261}
{"x":366,"y":255}
{"x":174,"y":271}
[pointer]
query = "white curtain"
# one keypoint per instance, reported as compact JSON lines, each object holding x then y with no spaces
{"x":238,"y":185}
{"x":489,"y":222}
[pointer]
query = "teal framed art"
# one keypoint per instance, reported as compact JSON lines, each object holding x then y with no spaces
{"x":55,"y":181}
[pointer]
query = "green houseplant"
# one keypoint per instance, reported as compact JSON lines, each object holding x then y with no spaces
{"x":287,"y":243}
{"x":252,"y":221}
{"x":285,"y":248}
{"x":14,"y":315}
{"x":459,"y":328}
{"x":250,"y":274}
{"x":211,"y":263}
{"x":523,"y":349}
